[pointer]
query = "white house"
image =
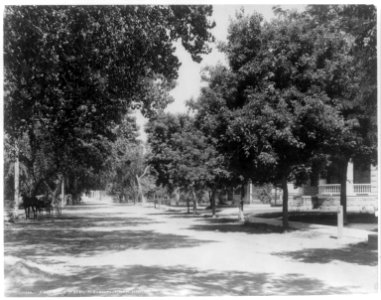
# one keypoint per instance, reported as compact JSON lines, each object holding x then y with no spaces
{"x":362,"y":190}
{"x":324,"y":193}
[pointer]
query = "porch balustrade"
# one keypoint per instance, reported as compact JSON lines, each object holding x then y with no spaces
{"x":329,"y":189}
{"x":334,"y":189}
{"x":362,"y":188}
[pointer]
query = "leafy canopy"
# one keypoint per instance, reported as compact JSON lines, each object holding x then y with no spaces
{"x":72,"y":72}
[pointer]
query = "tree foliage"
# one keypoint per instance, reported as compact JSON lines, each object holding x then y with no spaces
{"x":292,"y":97}
{"x":126,"y":162}
{"x":181,"y":154}
{"x":359,"y":107}
{"x":72,"y":72}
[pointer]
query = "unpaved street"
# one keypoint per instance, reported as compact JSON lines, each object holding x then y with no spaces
{"x":104,"y":249}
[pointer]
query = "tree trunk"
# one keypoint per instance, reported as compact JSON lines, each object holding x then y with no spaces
{"x":177,"y":196}
{"x":213,"y":202}
{"x":343,"y":187}
{"x":140,"y":190}
{"x":75,"y":189}
{"x":63,"y":191}
{"x":194,"y":201}
{"x":231,"y":195}
{"x":285,"y":201}
{"x":188,"y":206}
{"x":16,"y":195}
{"x":53,"y":194}
{"x":241,"y":216}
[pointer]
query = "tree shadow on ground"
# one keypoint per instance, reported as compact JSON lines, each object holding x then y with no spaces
{"x":74,"y":212}
{"x":354,"y":253}
{"x":64,"y":242}
{"x":223,"y":220}
{"x":228,"y":225}
{"x":71,"y":235}
{"x":179,"y":215}
{"x":71,"y":221}
{"x":138,"y":280}
{"x":87,"y":206}
{"x":324,"y":218}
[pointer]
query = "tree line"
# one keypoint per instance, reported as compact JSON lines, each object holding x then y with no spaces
{"x":299,"y":93}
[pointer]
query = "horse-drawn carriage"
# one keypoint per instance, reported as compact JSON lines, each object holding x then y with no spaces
{"x":36,"y":204}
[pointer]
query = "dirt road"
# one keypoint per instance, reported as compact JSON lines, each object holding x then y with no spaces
{"x":103,"y":249}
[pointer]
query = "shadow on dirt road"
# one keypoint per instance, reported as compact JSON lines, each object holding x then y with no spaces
{"x":170,"y":281}
{"x":115,"y":250}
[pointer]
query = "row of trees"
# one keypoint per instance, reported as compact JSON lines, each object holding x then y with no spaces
{"x":73,"y":73}
{"x":299,"y":93}
{"x":182,"y":156}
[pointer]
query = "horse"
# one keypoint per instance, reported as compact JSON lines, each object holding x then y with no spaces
{"x":28,"y":203}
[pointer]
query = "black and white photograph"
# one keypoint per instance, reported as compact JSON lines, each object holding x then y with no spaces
{"x":171,"y":149}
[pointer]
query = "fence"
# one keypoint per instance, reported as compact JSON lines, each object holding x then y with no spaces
{"x":329,"y":189}
{"x":334,"y":189}
{"x":362,"y":188}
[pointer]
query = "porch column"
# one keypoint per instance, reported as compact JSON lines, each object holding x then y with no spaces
{"x":350,"y":178}
{"x":321,"y":181}
{"x":373,"y":179}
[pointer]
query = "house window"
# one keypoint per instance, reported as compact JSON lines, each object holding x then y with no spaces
{"x":361,"y":172}
{"x":333,"y":174}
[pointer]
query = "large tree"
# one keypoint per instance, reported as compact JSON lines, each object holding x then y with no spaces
{"x":292,"y":77}
{"x":355,"y":94}
{"x":212,"y":112}
{"x":72,"y":72}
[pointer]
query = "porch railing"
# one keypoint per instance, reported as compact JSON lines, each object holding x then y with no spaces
{"x":329,"y":189}
{"x":362,"y":188}
{"x":334,"y":189}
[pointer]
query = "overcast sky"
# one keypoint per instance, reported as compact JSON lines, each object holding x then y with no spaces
{"x":189,"y":80}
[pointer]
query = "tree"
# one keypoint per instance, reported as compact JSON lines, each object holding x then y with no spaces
{"x":72,"y":72}
{"x":180,"y":154}
{"x":108,"y":54}
{"x":126,"y":164}
{"x":358,"y":97}
{"x":292,"y":75}
{"x":277,"y":143}
{"x":211,"y":118}
{"x":9,"y":167}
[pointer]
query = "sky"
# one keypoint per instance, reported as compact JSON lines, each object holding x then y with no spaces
{"x":189,"y":80}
